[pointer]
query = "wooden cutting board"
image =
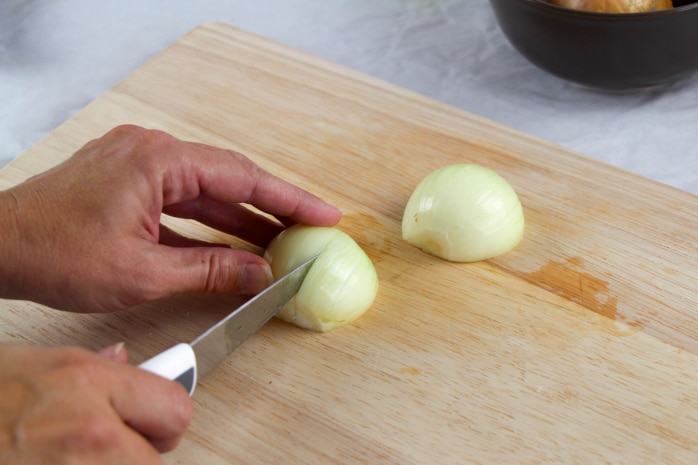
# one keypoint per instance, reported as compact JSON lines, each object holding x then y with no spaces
{"x":579,"y":347}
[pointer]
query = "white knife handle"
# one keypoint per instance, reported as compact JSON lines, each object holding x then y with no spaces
{"x":177,"y":363}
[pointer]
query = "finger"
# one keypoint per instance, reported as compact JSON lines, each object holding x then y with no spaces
{"x":37,"y":359}
{"x":155,"y":407}
{"x":92,"y":437}
{"x":211,"y":270}
{"x":230,"y":177}
{"x":234,"y":219}
{"x":141,"y":450}
{"x":119,"y":396}
{"x":284,"y":200}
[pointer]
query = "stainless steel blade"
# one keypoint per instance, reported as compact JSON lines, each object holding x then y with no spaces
{"x":219,"y":341}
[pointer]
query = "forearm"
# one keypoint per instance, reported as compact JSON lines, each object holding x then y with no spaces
{"x":10,"y":246}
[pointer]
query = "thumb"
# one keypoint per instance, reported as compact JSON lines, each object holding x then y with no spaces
{"x":216,"y":270}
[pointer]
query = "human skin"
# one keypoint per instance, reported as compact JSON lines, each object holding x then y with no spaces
{"x":67,"y":405}
{"x":85,"y":236}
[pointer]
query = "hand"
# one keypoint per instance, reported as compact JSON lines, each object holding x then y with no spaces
{"x":67,"y":405}
{"x":86,"y":235}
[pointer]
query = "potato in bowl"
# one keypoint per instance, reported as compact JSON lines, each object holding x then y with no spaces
{"x":615,"y":6}
{"x":619,"y":51}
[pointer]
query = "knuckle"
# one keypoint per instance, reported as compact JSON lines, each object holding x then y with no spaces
{"x":125,"y":130}
{"x":140,"y":144}
{"x":218,"y":274}
{"x":252,"y":170}
{"x":142,"y":135}
{"x":156,"y":139}
{"x":101,"y":432}
{"x":75,"y":356}
{"x":80,"y":366}
{"x":148,"y":281}
{"x":153,"y":152}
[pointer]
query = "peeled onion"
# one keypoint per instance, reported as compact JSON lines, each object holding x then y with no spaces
{"x":340,"y":285}
{"x":463,"y":213}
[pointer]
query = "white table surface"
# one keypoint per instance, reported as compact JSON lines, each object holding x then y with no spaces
{"x":58,"y":55}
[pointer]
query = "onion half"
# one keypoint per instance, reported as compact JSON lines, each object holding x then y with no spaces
{"x":340,"y":285}
{"x":463,"y":213}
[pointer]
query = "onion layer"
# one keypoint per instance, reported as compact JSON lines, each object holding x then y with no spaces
{"x":340,"y":285}
{"x":463,"y":213}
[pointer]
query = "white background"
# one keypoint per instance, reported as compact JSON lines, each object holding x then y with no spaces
{"x":58,"y":55}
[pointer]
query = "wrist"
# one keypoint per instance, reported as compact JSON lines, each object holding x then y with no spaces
{"x":10,"y":247}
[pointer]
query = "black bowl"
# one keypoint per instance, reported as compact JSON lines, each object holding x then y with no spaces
{"x":604,"y":50}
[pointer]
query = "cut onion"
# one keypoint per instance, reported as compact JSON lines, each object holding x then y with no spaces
{"x":340,"y":285}
{"x":463,"y":213}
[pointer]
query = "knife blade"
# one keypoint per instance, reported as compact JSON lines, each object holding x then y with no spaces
{"x":188,"y":362}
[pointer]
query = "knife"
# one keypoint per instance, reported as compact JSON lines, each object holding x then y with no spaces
{"x":186,"y":363}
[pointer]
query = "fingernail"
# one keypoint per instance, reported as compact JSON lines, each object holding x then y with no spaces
{"x":255,"y":278}
{"x":118,"y":348}
{"x":113,"y":350}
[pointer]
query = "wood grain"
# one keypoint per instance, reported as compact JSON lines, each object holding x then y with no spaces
{"x":580,"y":346}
